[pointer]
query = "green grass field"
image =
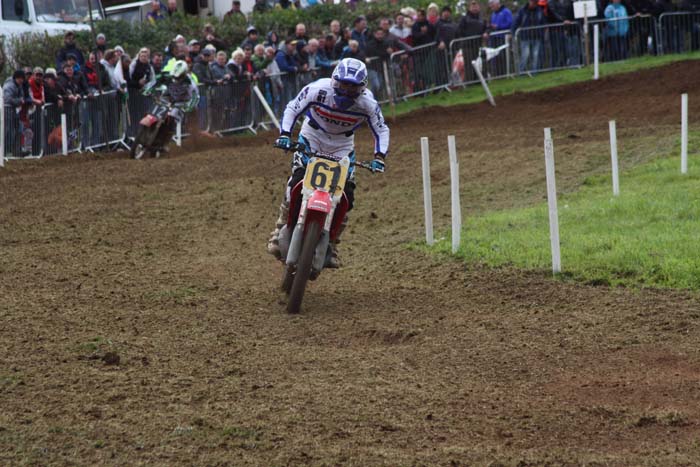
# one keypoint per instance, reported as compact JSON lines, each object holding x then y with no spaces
{"x":648,"y":236}
{"x":502,"y":87}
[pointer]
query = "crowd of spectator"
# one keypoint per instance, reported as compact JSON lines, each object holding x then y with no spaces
{"x":283,"y":64}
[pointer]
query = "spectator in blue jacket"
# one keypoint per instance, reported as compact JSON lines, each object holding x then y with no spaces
{"x":289,"y":66}
{"x":532,"y":16}
{"x":616,"y":31}
{"x":500,"y":24}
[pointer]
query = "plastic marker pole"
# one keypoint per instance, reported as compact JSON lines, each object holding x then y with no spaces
{"x":266,"y":106}
{"x":552,"y":200}
{"x":64,"y":135}
{"x":684,"y":133}
{"x":613,"y":156}
{"x":2,"y":132}
{"x":596,"y":52}
{"x":178,"y":133}
{"x":456,"y":211}
{"x":427,"y":193}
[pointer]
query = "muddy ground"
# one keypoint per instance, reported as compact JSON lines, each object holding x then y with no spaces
{"x":140,"y":321}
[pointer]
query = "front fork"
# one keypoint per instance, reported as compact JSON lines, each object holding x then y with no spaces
{"x":294,"y":249}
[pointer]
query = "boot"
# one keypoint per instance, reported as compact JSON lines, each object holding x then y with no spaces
{"x":273,"y":245}
{"x":332,"y":259}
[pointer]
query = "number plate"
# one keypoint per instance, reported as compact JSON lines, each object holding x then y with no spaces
{"x":325,"y":175}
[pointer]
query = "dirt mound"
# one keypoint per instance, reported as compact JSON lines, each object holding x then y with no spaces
{"x":141,"y":322}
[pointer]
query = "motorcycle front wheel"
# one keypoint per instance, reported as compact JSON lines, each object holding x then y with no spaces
{"x":141,"y":142}
{"x":303,"y":269}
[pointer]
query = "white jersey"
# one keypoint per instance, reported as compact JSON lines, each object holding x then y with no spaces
{"x":316,"y":102}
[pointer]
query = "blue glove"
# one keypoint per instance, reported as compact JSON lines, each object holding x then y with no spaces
{"x":377,"y":165}
{"x":284,"y":142}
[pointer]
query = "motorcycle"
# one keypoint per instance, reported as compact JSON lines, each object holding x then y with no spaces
{"x":156,"y":128}
{"x":317,"y":208}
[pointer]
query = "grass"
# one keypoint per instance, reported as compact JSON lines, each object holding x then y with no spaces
{"x":503,"y":87}
{"x":647,"y":236}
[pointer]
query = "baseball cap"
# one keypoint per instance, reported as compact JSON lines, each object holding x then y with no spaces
{"x":101,"y":36}
{"x":207,"y":52}
{"x":71,"y":56}
{"x":50,"y":72}
{"x":251,"y":29}
{"x":38,"y":70}
{"x":193,"y":42}
{"x":210,"y":47}
{"x":18,"y":74}
{"x":179,"y":37}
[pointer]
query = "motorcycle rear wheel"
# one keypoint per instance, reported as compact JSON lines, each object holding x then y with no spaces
{"x":303,"y":269}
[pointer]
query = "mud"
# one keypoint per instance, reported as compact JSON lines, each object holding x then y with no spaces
{"x":141,"y":321}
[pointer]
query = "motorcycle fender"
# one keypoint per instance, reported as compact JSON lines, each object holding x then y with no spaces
{"x":320,"y":201}
{"x":149,"y":120}
{"x":295,"y":244}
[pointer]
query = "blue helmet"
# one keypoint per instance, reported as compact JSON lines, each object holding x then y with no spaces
{"x":349,"y":80}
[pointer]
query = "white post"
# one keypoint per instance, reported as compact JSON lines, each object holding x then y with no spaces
{"x":477,"y":68}
{"x":552,"y":200}
{"x":64,"y":135}
{"x":427,"y":192}
{"x":613,"y":156}
{"x":684,"y":133}
{"x":456,"y":211}
{"x":2,"y":132}
{"x":596,"y":52}
{"x":178,"y":133}
{"x":266,"y":106}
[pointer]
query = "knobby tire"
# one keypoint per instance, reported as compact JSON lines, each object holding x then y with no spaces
{"x":303,"y":270}
{"x":287,"y":278}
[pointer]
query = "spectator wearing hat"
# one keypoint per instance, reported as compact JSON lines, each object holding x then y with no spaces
{"x":13,"y":97}
{"x":36,"y":86}
{"x":202,"y":69}
{"x":74,"y":82}
{"x":209,"y":37}
{"x":101,"y":43}
{"x":271,"y":40}
{"x":155,"y":14}
{"x":251,"y":38}
{"x":69,"y":48}
{"x":195,"y":47}
{"x":235,"y":11}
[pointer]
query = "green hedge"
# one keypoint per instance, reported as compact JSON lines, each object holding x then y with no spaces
{"x":40,"y":49}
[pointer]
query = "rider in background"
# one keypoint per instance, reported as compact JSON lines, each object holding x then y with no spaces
{"x":179,"y":87}
{"x":334,"y":108}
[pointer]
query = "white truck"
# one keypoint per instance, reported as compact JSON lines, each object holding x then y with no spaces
{"x":50,"y":16}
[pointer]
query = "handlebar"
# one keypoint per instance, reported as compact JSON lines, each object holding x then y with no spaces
{"x":302,"y":149}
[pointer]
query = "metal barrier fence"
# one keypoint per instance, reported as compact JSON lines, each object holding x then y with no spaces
{"x":378,"y":71}
{"x":548,"y":47}
{"x":679,"y":32}
{"x":101,"y":121}
{"x":423,"y":69}
{"x":623,"y":38}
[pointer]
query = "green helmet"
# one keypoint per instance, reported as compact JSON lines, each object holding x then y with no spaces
{"x":179,"y":69}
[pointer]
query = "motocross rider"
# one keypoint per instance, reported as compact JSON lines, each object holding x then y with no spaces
{"x":334,"y":108}
{"x":181,"y":89}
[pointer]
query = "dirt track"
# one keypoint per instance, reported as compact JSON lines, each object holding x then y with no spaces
{"x":397,"y":359}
